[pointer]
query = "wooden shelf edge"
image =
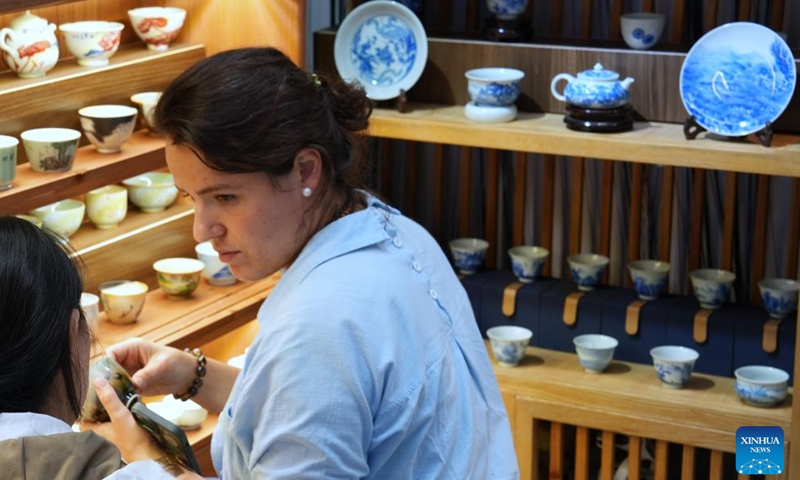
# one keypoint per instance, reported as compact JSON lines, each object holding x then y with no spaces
{"x":544,"y":133}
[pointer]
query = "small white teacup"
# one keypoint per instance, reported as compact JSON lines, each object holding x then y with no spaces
{"x":216,"y":272}
{"x":779,"y":296}
{"x":494,"y":87}
{"x":642,"y":30}
{"x":509,"y":343}
{"x":673,"y":364}
{"x":649,"y":277}
{"x":711,"y":286}
{"x":63,"y":217}
{"x":147,"y":102}
{"x":587,"y":270}
{"x":92,"y":42}
{"x":123,"y":300}
{"x":527,"y":262}
{"x":50,"y":149}
{"x":761,"y":386}
{"x":595,"y":351}
{"x":107,"y":206}
{"x":468,"y":254}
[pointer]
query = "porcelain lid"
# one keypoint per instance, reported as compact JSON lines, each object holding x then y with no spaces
{"x":29,"y":22}
{"x":598,"y":73}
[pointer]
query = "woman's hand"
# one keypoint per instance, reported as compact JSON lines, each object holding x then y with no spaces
{"x":155,"y":369}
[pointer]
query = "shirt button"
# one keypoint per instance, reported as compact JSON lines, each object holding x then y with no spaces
{"x":433,"y":293}
{"x":416,"y":266}
{"x":397,"y":242}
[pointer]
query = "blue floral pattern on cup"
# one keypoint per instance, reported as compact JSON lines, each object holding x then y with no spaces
{"x":587,"y":279}
{"x":507,"y":7}
{"x":508,"y":352}
{"x":779,"y":305}
{"x":760,"y":395}
{"x":468,"y":262}
{"x":647,"y":289}
{"x":674,"y":375}
{"x":383,"y":50}
{"x":711,"y":296}
{"x":523,"y":271}
{"x":494,"y":94}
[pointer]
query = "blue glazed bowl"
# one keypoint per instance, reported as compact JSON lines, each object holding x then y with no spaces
{"x":527,"y":262}
{"x":468,"y":254}
{"x":673,"y":364}
{"x":779,"y":296}
{"x":587,"y":270}
{"x":595,"y":351}
{"x":494,"y":87}
{"x":649,"y":277}
{"x":711,"y":286}
{"x":509,"y":343}
{"x":761,"y":386}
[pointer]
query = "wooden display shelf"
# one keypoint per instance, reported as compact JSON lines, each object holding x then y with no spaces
{"x":92,"y":169}
{"x":545,"y":133}
{"x":705,"y":413}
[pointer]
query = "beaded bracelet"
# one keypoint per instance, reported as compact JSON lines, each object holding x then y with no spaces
{"x":201,"y":372}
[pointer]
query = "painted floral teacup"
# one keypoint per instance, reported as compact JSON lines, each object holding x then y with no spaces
{"x":509,"y":343}
{"x":761,"y":386}
{"x":673,"y":364}
{"x":494,"y":87}
{"x":587,"y":270}
{"x":527,"y":262}
{"x":649,"y":277}
{"x":92,"y":42}
{"x":711,"y":286}
{"x":468,"y":254}
{"x":779,"y":296}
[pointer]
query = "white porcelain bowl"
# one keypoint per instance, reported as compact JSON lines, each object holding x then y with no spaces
{"x":468,"y":254}
{"x":178,"y":277}
{"x":509,"y":343}
{"x":595,"y":351}
{"x":527,"y":261}
{"x":642,"y":30}
{"x":761,"y":386}
{"x":152,"y":191}
{"x":157,"y":26}
{"x":587,"y":270}
{"x":51,"y":149}
{"x":779,"y":296}
{"x":108,"y":127}
{"x":649,"y":277}
{"x":673,"y":364}
{"x":123,"y":300}
{"x":493,"y":86}
{"x":63,"y":218}
{"x":485,"y":114}
{"x":146,"y":101}
{"x":711,"y":286}
{"x":92,"y":42}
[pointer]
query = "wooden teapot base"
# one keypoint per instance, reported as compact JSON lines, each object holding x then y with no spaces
{"x":601,"y":120}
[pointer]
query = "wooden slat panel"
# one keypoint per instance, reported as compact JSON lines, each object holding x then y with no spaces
{"x":556,"y":451}
{"x":793,"y":242}
{"x":524,"y":440}
{"x":464,"y":189}
{"x":444,"y":14}
{"x":520,"y":182}
{"x":687,"y":463}
{"x":635,"y":219}
{"x":678,"y":12}
{"x":661,"y":459}
{"x":492,"y":188}
{"x":715,"y":468}
{"x":744,"y":10}
{"x":647,"y":5}
{"x":472,"y":15}
{"x":710,"y":13}
{"x":616,"y":11}
{"x":412,"y":161}
{"x":759,"y":237}
{"x":696,"y":229}
{"x":556,"y":17}
{"x":607,"y":457}
{"x":386,"y":167}
{"x":728,"y":221}
{"x":742,"y":476}
{"x":586,"y":18}
{"x":581,"y":453}
{"x":548,"y":186}
{"x":665,"y":219}
{"x":438,"y":186}
{"x":776,"y":15}
{"x":576,"y":206}
{"x":634,"y":457}
{"x":606,"y":199}
{"x":535,"y":446}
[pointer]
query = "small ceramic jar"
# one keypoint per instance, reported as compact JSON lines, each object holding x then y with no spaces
{"x":595,"y":88}
{"x":29,"y":45}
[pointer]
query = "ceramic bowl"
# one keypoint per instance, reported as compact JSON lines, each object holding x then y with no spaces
{"x":494,"y":87}
{"x":63,"y":218}
{"x":50,"y":149}
{"x":108,"y":127}
{"x":151,"y":191}
{"x":146,"y":101}
{"x":188,"y":415}
{"x":216,"y":272}
{"x":509,"y":343}
{"x":761,"y":386}
{"x":107,"y":206}
{"x":92,"y":42}
{"x":779,"y":296}
{"x":711,"y":286}
{"x":178,"y":277}
{"x":30,"y":218}
{"x":157,"y":26}
{"x":642,"y":30}
{"x":527,"y":262}
{"x":117,"y":376}
{"x":649,"y":277}
{"x":123,"y":300}
{"x":673,"y":364}
{"x":595,"y":351}
{"x":8,"y":160}
{"x":507,"y":9}
{"x":486,"y":114}
{"x":468,"y":254}
{"x":587,"y":270}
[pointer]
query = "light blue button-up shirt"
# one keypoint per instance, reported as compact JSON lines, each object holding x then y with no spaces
{"x":368,"y":364}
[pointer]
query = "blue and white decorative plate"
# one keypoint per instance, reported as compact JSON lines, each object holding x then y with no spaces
{"x":381,"y":45}
{"x":738,"y":77}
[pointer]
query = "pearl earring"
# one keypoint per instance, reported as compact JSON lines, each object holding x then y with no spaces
{"x":307,"y":191}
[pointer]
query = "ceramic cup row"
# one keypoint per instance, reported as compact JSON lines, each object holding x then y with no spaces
{"x":107,"y":206}
{"x":30,"y":48}
{"x":756,"y":385}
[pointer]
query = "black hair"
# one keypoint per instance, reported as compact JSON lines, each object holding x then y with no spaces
{"x":40,"y":286}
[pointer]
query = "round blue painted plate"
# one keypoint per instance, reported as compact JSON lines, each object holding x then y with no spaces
{"x":738,"y":77}
{"x":381,"y":45}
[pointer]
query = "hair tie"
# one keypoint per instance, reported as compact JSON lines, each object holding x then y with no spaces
{"x":317,"y":80}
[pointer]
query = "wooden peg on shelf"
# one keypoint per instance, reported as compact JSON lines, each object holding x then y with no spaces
{"x":632,"y":317}
{"x":700,"y":330}
{"x":769,"y":339}
{"x":570,"y":316}
{"x":509,"y":304}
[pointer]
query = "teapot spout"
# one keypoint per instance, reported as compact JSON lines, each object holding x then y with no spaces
{"x":627,"y":83}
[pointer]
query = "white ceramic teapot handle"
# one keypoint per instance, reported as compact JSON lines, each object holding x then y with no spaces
{"x":554,"y":86}
{"x":7,"y":34}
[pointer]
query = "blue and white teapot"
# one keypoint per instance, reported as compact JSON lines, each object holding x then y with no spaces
{"x":595,"y":88}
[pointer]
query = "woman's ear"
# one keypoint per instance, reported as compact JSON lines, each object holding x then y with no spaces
{"x":308,"y":163}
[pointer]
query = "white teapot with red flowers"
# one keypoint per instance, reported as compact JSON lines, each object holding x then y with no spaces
{"x":29,"y":46}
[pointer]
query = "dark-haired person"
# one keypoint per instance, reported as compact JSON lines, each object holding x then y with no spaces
{"x":44,"y":358}
{"x":368,"y":362}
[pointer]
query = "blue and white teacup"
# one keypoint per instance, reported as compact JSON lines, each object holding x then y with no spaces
{"x":761,"y":386}
{"x":494,"y":87}
{"x":468,"y":254}
{"x":595,"y":351}
{"x":642,"y":30}
{"x":779,"y":296}
{"x":649,"y":277}
{"x":507,"y":9}
{"x":673,"y":364}
{"x":587,"y":270}
{"x":527,"y":262}
{"x":509,"y":343}
{"x":712,"y":286}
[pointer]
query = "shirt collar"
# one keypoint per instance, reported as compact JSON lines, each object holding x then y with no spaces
{"x":17,"y":425}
